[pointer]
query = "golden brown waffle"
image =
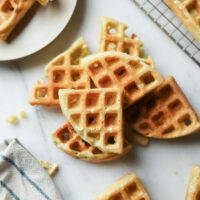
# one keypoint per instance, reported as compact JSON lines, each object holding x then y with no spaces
{"x":96,"y":116}
{"x":119,"y":70}
{"x":128,"y":187}
{"x":64,"y":71}
{"x":68,"y":141}
{"x":188,"y":12}
{"x":113,"y":38}
{"x":164,"y":113}
{"x":193,"y":190}
{"x":11,"y":12}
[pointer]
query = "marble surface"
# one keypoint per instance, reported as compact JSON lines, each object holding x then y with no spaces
{"x":163,"y":166}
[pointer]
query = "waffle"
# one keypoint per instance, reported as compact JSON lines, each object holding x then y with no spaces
{"x":96,"y":116}
{"x":11,"y":12}
{"x":164,"y":113}
{"x":68,"y":141}
{"x":113,"y":38}
{"x":193,"y":190}
{"x":188,"y":12}
{"x":116,"y":69}
{"x":128,"y":187}
{"x":135,"y":137}
{"x":64,"y":71}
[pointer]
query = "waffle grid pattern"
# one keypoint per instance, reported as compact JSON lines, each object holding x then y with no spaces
{"x":164,"y":113}
{"x":127,"y":188}
{"x":63,"y":72}
{"x":68,"y":141}
{"x":169,"y":23}
{"x":96,"y":115}
{"x":60,"y":78}
{"x":110,"y":70}
{"x":112,"y":38}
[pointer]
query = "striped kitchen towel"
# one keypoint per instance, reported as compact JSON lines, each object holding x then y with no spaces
{"x":21,"y":175}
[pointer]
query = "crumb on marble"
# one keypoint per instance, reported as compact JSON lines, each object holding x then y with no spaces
{"x":23,"y":114}
{"x":177,"y":173}
{"x":12,"y":119}
{"x":51,"y":168}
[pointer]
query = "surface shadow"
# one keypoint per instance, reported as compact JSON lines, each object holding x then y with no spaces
{"x":23,"y":23}
{"x":182,"y":141}
{"x":128,"y":159}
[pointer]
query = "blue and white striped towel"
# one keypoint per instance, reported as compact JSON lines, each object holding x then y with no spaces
{"x":21,"y":175}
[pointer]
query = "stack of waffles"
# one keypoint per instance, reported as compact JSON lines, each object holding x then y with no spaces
{"x":11,"y":13}
{"x":188,"y":12}
{"x":123,"y":79}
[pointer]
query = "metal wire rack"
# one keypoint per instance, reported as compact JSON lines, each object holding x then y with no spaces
{"x":167,"y":21}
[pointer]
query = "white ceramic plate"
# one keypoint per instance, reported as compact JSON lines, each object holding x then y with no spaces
{"x":39,"y":27}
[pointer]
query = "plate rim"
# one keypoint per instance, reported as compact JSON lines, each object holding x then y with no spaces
{"x":46,"y":44}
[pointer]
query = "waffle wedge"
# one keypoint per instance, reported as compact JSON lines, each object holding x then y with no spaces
{"x":119,"y":70}
{"x":164,"y":113}
{"x":64,"y":71}
{"x":128,"y":187}
{"x":113,"y":38}
{"x":68,"y":141}
{"x":188,"y":12}
{"x":11,"y":13}
{"x":96,"y":116}
{"x":193,"y":190}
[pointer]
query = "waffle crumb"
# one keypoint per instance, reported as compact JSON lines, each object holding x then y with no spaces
{"x":12,"y":120}
{"x":23,"y":114}
{"x":177,"y":173}
{"x":43,"y":2}
{"x":51,"y":168}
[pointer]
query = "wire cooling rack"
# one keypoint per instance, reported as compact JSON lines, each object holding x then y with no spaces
{"x":167,"y":21}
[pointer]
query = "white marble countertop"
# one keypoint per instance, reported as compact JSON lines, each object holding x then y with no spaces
{"x":163,"y":166}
